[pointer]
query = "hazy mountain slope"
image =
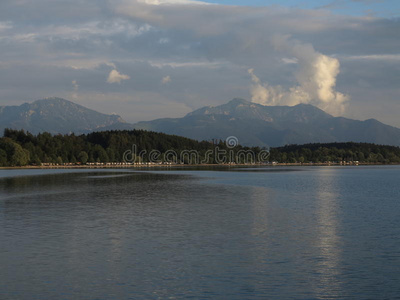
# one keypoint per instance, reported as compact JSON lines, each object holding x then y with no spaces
{"x":56,"y":115}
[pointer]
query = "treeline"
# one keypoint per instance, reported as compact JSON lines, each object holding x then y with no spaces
{"x":336,"y":152}
{"x":20,"y":148}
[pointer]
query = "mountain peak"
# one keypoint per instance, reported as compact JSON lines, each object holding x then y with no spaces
{"x":243,"y":109}
{"x":55,"y":115}
{"x":238,"y":101}
{"x":55,"y":101}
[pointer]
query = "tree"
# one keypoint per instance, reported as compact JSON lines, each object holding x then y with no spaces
{"x":16,"y":155}
{"x":100,"y":154}
{"x":83,"y":157}
{"x":73,"y":159}
{"x":59,"y":160}
{"x":111,"y":154}
{"x":3,"y":158}
{"x":20,"y":156}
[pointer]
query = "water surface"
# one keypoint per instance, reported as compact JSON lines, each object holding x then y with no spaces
{"x":271,"y":233}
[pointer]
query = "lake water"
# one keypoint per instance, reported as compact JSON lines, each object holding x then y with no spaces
{"x":262,"y":233}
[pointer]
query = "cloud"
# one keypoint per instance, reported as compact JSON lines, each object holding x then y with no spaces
{"x":166,"y":79}
{"x":116,"y":77}
{"x":75,"y":85}
{"x":75,"y":88}
{"x":316,"y":80}
{"x":290,"y":60}
{"x":298,"y":55}
{"x":5,"y":26}
{"x":383,"y":57}
{"x":180,"y":2}
{"x":368,"y":1}
{"x":343,"y":3}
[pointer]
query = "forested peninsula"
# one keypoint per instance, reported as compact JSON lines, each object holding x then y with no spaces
{"x":19,"y":148}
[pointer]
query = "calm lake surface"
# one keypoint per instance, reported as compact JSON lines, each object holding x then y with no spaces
{"x":267,"y":233}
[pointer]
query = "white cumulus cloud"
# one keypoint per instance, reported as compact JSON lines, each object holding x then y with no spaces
{"x":116,"y":77}
{"x":316,"y":81}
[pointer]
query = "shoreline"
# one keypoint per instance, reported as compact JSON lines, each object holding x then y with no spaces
{"x":194,"y":166}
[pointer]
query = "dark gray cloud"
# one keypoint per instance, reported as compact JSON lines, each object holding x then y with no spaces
{"x":204,"y":50}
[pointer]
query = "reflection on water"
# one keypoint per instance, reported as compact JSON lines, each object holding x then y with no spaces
{"x":328,"y":239}
{"x":318,"y":233}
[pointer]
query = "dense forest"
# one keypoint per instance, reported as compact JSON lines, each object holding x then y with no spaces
{"x":336,"y":152}
{"x":20,"y":148}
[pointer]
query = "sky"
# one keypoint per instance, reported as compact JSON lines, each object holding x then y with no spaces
{"x":380,"y":8}
{"x":148,"y":59}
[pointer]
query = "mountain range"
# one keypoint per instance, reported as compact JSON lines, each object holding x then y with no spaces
{"x":253,"y":124}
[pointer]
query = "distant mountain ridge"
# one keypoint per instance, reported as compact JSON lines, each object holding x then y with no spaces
{"x":242,"y":109}
{"x":57,"y":115}
{"x":253,"y":124}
